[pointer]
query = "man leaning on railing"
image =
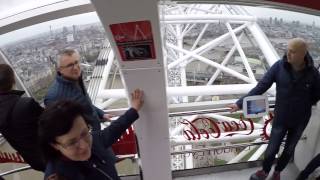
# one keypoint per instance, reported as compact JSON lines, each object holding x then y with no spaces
{"x":298,"y":88}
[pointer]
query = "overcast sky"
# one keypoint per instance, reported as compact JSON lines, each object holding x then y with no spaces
{"x":45,"y":27}
{"x":286,"y":15}
{"x":6,"y":7}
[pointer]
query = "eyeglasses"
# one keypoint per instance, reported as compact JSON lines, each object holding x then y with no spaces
{"x":71,"y":65}
{"x":74,"y":144}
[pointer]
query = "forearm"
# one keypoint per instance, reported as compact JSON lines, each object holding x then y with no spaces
{"x":113,"y":132}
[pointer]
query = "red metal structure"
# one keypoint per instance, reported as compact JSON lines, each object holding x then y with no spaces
{"x":126,"y":145}
{"x":312,"y":4}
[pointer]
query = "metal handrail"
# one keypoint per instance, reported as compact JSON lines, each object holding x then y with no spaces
{"x":172,"y":153}
{"x":228,"y":146}
{"x":15,"y":171}
{"x":219,"y":147}
{"x":206,"y":111}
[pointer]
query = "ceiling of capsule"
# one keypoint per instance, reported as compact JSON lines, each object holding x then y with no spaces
{"x":312,"y":4}
{"x":12,"y":7}
{"x":16,"y":14}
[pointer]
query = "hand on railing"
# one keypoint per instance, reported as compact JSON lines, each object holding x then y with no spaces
{"x":234,"y":107}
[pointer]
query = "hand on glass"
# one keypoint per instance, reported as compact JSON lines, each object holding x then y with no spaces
{"x":137,"y":99}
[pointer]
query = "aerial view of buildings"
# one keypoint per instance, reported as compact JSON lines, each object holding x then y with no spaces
{"x":34,"y":58}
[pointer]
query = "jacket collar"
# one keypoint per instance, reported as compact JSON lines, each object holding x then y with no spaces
{"x":13,"y":92}
{"x":63,"y":80}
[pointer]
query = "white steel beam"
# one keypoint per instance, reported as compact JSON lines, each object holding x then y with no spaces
{"x":258,"y":152}
{"x":207,"y":46}
{"x":242,"y":55}
{"x":199,"y":37}
{"x":206,"y":11}
{"x":211,"y":63}
{"x":200,"y":17}
{"x":224,"y":62}
{"x":106,"y":72}
{"x":188,"y":91}
{"x":266,"y":47}
{"x":152,"y":128}
{"x":107,"y":103}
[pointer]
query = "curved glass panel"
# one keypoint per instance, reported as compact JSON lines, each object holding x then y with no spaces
{"x":33,"y":52}
{"x":221,"y":49}
{"x":12,"y":7}
{"x":284,"y":25}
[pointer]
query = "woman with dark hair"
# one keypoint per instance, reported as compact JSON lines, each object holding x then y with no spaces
{"x":72,"y":151}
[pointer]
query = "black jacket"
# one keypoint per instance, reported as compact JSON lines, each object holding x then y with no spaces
{"x":19,"y":125}
{"x":99,"y":166}
{"x":295,"y":94}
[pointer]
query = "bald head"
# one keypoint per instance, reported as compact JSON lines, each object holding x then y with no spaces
{"x":297,"y":49}
{"x":299,"y":44}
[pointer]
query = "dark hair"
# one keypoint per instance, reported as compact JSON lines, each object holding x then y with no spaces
{"x":6,"y":78}
{"x":57,"y":120}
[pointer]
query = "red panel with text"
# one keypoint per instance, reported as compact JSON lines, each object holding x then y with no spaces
{"x":134,"y":40}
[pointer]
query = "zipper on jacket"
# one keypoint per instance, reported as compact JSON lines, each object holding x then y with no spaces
{"x":102,"y":172}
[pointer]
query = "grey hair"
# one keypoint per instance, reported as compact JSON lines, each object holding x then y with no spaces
{"x":66,"y":52}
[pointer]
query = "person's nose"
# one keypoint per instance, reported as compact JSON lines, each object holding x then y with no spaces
{"x":76,"y":65}
{"x":289,"y":55}
{"x":83,"y":144}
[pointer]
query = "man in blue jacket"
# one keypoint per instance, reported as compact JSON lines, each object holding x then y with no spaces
{"x":298,"y":88}
{"x":68,"y":85}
